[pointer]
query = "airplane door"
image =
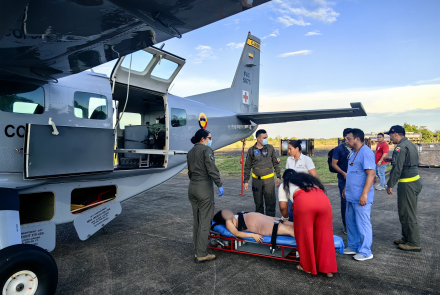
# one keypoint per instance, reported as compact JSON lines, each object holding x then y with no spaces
{"x":151,"y":69}
{"x":74,"y":151}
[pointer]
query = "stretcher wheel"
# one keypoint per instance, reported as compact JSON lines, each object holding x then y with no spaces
{"x":29,"y":269}
{"x":272,"y":250}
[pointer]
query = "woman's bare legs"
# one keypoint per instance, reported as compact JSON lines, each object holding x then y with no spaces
{"x":286,"y":230}
{"x":285,"y":222}
{"x":288,"y":223}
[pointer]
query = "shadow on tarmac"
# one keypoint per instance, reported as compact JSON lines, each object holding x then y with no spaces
{"x":148,"y":250}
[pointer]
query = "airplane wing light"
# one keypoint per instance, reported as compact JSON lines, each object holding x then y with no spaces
{"x":356,"y":110}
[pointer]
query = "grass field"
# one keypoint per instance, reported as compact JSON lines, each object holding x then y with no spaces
{"x":231,"y":167}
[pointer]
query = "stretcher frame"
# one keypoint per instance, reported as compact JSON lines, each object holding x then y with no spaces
{"x":233,"y":245}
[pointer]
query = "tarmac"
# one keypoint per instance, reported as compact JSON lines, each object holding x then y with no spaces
{"x":148,"y":250}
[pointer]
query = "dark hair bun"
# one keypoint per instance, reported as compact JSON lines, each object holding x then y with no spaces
{"x":201,"y":133}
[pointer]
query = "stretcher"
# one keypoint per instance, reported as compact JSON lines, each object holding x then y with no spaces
{"x":221,"y":239}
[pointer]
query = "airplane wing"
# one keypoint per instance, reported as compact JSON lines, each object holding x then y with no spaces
{"x":47,"y":40}
{"x":356,"y":110}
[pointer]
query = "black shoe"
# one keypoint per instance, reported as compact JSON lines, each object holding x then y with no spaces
{"x":345,"y":229}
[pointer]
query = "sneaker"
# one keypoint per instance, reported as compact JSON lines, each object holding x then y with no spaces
{"x":406,"y":247}
{"x":360,"y":257}
{"x":380,"y":188}
{"x":348,"y":251}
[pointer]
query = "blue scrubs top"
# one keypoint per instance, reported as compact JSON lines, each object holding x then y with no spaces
{"x":356,"y":175}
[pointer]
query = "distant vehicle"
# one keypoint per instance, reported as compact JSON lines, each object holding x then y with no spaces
{"x":74,"y":146}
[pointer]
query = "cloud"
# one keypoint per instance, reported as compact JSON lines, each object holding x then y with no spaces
{"x":204,"y":52}
{"x":322,"y":13}
{"x":301,"y":52}
{"x":274,"y":34}
{"x":314,"y":33}
{"x":233,"y":45}
{"x":429,"y":81}
{"x":287,"y":21}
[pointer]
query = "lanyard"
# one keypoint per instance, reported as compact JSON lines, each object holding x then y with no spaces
{"x":355,"y":155}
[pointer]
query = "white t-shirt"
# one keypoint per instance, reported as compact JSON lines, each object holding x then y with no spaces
{"x":282,"y":196}
{"x":303,"y":164}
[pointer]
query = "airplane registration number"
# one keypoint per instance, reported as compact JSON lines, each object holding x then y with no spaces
{"x":253,"y":43}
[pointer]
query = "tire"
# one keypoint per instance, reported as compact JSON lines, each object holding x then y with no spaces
{"x":16,"y":258}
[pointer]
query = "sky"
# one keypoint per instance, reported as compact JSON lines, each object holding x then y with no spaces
{"x":317,"y":54}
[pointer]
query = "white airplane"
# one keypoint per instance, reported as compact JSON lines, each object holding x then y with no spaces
{"x":74,"y":144}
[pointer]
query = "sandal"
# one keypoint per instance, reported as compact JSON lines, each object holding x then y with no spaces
{"x":299,"y":267}
{"x":329,"y":275}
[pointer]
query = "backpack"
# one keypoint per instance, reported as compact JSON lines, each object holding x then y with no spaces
{"x":330,"y":159}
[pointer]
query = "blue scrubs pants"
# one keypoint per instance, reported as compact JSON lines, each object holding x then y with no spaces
{"x":359,"y":229}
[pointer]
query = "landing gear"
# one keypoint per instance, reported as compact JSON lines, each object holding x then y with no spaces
{"x":27,"y":270}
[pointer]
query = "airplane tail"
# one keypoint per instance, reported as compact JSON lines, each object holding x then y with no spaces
{"x":243,"y":95}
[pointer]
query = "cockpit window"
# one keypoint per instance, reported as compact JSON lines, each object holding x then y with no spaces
{"x":139,"y":62}
{"x":164,"y":69}
{"x":90,"y":106}
{"x":23,"y":98}
{"x":178,"y":117}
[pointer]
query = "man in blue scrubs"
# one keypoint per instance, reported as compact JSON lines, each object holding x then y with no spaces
{"x":359,"y":194}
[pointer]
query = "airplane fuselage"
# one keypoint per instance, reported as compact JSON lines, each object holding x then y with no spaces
{"x":224,"y":126}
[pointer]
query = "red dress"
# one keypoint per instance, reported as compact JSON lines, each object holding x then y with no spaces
{"x":314,"y":231}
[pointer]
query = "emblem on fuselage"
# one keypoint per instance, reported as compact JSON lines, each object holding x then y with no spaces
{"x":203,"y":121}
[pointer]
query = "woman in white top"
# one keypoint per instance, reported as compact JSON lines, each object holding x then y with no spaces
{"x":300,"y":163}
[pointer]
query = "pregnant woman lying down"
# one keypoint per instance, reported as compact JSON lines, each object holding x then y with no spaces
{"x":257,"y":223}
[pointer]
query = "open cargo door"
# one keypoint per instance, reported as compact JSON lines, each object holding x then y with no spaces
{"x":74,"y":151}
{"x":151,"y":69}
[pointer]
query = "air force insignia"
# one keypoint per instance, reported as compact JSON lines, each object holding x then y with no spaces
{"x":212,"y":157}
{"x":264,"y":153}
{"x":256,"y":152}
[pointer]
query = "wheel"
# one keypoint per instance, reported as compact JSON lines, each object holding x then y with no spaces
{"x":27,"y":270}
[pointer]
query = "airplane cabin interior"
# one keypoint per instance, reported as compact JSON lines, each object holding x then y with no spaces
{"x":142,"y":126}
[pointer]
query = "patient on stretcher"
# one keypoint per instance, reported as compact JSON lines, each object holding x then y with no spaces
{"x":258,"y":224}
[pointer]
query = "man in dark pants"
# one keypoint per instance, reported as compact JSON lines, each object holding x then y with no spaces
{"x":405,"y":170}
{"x":262,"y":159}
{"x":340,"y":164}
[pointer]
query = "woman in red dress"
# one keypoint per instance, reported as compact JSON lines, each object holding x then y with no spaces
{"x":313,"y":223}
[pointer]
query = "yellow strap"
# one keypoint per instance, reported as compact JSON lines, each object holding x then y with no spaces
{"x":411,"y":179}
{"x":263,"y":177}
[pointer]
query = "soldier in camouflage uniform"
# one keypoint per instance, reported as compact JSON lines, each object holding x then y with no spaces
{"x":202,"y":172}
{"x":405,"y":171}
{"x":262,"y":160}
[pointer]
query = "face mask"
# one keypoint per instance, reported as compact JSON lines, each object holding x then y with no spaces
{"x":209,"y":143}
{"x":265,"y":141}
